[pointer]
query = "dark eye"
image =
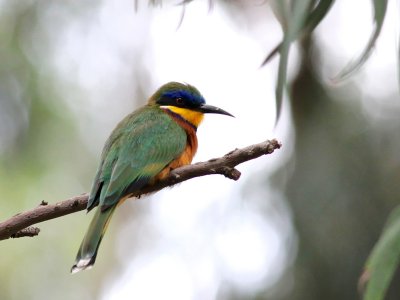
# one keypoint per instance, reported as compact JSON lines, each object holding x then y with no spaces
{"x":179,"y":101}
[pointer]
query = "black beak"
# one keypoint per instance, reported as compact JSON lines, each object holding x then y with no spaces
{"x":209,"y":109}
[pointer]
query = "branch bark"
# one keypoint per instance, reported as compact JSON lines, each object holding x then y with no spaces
{"x":19,"y":225}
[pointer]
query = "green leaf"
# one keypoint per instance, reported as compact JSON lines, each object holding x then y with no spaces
{"x":318,"y":14}
{"x":313,"y":19}
{"x":380,"y":7}
{"x":282,"y":74}
{"x":184,"y":2}
{"x":398,"y":61}
{"x":281,"y":10}
{"x":384,"y":259}
{"x":296,"y":21}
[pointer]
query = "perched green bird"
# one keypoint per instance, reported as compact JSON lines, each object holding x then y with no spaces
{"x":143,"y":149}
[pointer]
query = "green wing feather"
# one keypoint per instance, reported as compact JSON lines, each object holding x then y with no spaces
{"x":143,"y":144}
{"x":138,"y":149}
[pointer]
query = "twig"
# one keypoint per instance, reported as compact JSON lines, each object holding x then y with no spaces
{"x":17,"y":225}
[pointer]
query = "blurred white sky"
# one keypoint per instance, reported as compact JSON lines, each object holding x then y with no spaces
{"x":209,"y":230}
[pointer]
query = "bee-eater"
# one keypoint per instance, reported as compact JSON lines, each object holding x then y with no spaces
{"x":143,"y":149}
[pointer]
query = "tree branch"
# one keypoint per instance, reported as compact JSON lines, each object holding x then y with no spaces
{"x":19,"y":225}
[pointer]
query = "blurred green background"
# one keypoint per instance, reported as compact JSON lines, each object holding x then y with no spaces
{"x":331,"y":190}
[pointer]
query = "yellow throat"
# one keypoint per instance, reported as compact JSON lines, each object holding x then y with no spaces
{"x":193,"y":117}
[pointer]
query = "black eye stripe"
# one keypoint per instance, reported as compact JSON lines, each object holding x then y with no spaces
{"x":179,"y":100}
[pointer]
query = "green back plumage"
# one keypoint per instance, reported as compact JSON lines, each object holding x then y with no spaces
{"x":138,"y":149}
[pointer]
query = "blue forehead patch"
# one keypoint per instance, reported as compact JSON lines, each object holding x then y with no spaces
{"x":192,"y":98}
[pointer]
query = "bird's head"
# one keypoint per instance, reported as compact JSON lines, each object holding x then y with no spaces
{"x":185,"y":100}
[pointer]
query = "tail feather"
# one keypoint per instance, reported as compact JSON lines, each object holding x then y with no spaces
{"x":87,"y":252}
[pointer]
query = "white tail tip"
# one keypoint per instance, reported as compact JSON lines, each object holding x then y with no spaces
{"x":82,"y":264}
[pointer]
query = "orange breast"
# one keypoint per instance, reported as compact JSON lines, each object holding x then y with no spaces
{"x":187,"y":155}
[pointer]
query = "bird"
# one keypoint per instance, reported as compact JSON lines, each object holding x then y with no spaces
{"x":143,"y":149}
